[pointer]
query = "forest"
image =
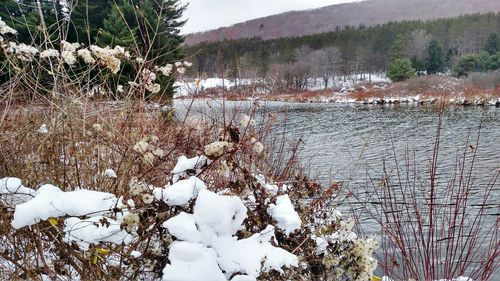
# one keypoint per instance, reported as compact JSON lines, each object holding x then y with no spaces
{"x":460,"y":45}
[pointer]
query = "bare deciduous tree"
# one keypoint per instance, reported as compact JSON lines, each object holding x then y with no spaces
{"x":326,"y":63}
{"x":418,"y":42}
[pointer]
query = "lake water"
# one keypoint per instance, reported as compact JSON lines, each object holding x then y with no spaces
{"x":350,"y":143}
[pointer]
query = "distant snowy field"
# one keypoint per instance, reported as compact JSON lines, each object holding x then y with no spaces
{"x":191,"y":87}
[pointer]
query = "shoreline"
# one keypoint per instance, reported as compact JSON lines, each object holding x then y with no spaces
{"x":427,"y":90}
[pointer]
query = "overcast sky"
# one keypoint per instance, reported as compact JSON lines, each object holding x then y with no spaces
{"x":209,"y":14}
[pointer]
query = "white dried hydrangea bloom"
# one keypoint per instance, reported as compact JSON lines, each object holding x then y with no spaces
{"x":49,"y":53}
{"x":166,"y":70}
{"x":106,"y":57}
{"x":69,"y":57}
{"x":86,"y":55}
{"x":141,"y":146}
{"x":149,"y":158}
{"x":153,"y":88}
{"x":69,"y":47}
{"x":181,"y":70}
{"x":258,"y":147}
{"x":217,"y":148}
{"x":5,"y":29}
{"x":24,"y":52}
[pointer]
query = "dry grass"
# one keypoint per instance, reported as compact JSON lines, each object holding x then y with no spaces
{"x":434,"y":223}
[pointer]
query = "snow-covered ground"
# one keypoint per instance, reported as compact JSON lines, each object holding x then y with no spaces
{"x":191,"y":87}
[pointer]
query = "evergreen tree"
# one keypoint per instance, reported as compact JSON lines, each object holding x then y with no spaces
{"x":159,"y":24}
{"x":400,"y":70}
{"x":119,"y":27}
{"x":435,"y":59}
{"x":220,"y":64}
{"x":263,"y":63}
{"x":87,"y":19}
{"x":233,"y":71}
{"x":159,"y":34}
{"x":467,"y":64}
{"x":418,"y":65}
{"x":492,"y":44}
{"x":397,"y":50}
{"x":23,"y":15}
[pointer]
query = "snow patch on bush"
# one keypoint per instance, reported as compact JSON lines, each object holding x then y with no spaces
{"x":181,"y":192}
{"x":184,"y":164}
{"x":284,"y":214}
{"x":50,"y":201}
{"x":94,"y":230}
{"x":13,"y":192}
{"x":216,"y":219}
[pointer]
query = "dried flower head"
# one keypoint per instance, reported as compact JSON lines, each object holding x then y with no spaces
{"x":246,"y":121}
{"x":147,"y":198}
{"x":217,"y":148}
{"x":131,"y":219}
{"x":258,"y":147}
{"x":141,"y":146}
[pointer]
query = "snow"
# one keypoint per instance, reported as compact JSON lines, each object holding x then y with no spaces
{"x":12,"y":192}
{"x":184,"y":164}
{"x":110,"y":173}
{"x":243,"y":278}
{"x":136,"y":254}
{"x":43,"y":129}
{"x":346,"y":84}
{"x":94,"y":230}
{"x":50,"y":201}
{"x":192,"y":262}
{"x":284,"y":214}
{"x":252,"y":255}
{"x":181,"y":192}
{"x":214,"y":222}
{"x":271,"y":188}
{"x":206,"y":245}
{"x":321,"y":245}
{"x":184,"y":88}
{"x":183,"y":227}
{"x":218,"y":215}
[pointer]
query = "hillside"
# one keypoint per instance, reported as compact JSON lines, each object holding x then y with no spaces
{"x":330,"y":18}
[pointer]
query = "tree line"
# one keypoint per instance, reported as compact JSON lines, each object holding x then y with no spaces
{"x":429,"y":46}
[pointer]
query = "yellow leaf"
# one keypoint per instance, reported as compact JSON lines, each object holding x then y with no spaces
{"x":53,"y":221}
{"x":376,"y":278}
{"x":102,"y":251}
{"x":94,"y":259}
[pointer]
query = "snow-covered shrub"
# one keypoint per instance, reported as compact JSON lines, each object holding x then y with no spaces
{"x":114,"y":212}
{"x":102,"y":189}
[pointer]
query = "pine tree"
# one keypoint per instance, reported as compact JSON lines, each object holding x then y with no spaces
{"x":400,"y":70}
{"x":87,"y":19}
{"x":159,"y":23}
{"x":233,"y":71}
{"x":397,"y":50}
{"x":119,"y":27}
{"x":435,"y":59}
{"x":263,"y":63}
{"x":418,"y":65}
{"x":492,"y":44}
